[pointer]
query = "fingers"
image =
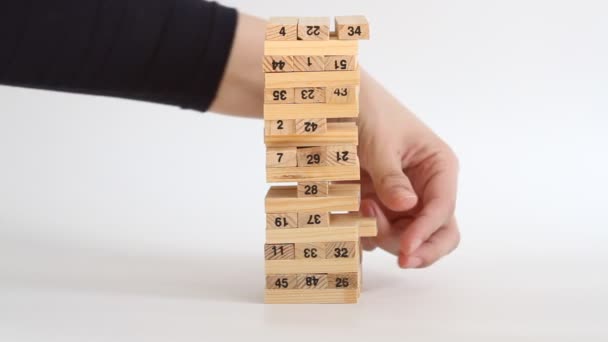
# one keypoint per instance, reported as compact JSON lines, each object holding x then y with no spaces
{"x":441,"y":243}
{"x":392,"y":185}
{"x":387,"y":238}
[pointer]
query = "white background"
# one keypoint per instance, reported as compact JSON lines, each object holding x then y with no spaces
{"x":130,"y":221}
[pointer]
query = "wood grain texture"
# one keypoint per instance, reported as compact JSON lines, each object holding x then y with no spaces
{"x":280,"y":127}
{"x":281,"y":281}
{"x":282,"y":221}
{"x":341,"y":95}
{"x":340,"y":63}
{"x":311,"y":281}
{"x":341,"y":249}
{"x":367,"y":226}
{"x":327,"y":296}
{"x":281,"y":157}
{"x":313,"y":28}
{"x":338,"y":133}
{"x":313,"y":189}
{"x":307,"y":219}
{"x":333,"y":46}
{"x":312,"y":156}
{"x":311,"y":111}
{"x":343,"y":280}
{"x":328,"y":234}
{"x":316,"y":173}
{"x":308,"y":266}
{"x":282,"y":251}
{"x":312,"y":79}
{"x":353,"y":27}
{"x":277,"y":64}
{"x":311,"y":126}
{"x":308,"y":63}
{"x":310,"y":250}
{"x":309,"y":95}
{"x":342,"y":197}
{"x":341,"y":155}
{"x":279,"y":95}
{"x":282,"y":28}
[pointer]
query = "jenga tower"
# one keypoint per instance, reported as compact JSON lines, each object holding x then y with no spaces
{"x":312,"y":78}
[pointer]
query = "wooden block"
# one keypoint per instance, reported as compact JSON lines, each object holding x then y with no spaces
{"x":352,"y":27}
{"x":280,"y":127}
{"x":343,"y":94}
{"x":316,"y":173}
{"x":340,"y":63}
{"x":313,"y":219}
{"x":342,"y":197}
{"x":313,"y":28}
{"x":313,"y":189}
{"x":311,"y":126}
{"x":312,"y":79}
{"x":342,"y":155}
{"x":279,"y":95}
{"x":282,"y":251}
{"x":343,"y":280}
{"x":312,"y":156}
{"x":331,"y":233}
{"x":281,"y":157}
{"x":281,"y":281}
{"x":341,"y":249}
{"x":278,"y":64}
{"x":282,"y":28}
{"x":327,"y":296}
{"x":338,"y":133}
{"x":317,"y":266}
{"x":309,"y":95}
{"x":308,"y":63}
{"x":311,"y":281}
{"x":367,"y":226}
{"x":310,"y":250}
{"x":311,"y":111}
{"x":333,"y":46}
{"x":282,"y":221}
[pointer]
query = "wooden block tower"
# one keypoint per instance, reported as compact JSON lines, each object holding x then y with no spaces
{"x":311,"y":103}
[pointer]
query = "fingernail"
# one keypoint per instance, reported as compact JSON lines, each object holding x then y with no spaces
{"x":412,"y":262}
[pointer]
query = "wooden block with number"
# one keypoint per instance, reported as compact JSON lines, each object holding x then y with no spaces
{"x":340,"y":63}
{"x":282,"y":221}
{"x":343,"y":280}
{"x":313,"y":28}
{"x":310,"y":250}
{"x":281,"y":157}
{"x":278,"y":64}
{"x":279,"y":251}
{"x":280,"y":127}
{"x":312,"y":156}
{"x":282,"y":28}
{"x":342,"y":197}
{"x":313,"y":219}
{"x":353,"y":27}
{"x":341,"y":155}
{"x":311,"y":281}
{"x":341,"y":95}
{"x":311,"y":126}
{"x":308,"y":63}
{"x":313,"y":189}
{"x":281,"y":281}
{"x":309,"y":95}
{"x":279,"y":95}
{"x":341,"y":249}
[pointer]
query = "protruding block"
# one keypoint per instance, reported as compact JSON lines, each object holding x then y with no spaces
{"x":278,"y":64}
{"x":338,"y":133}
{"x":308,"y":63}
{"x":312,"y":156}
{"x":279,"y":95}
{"x":313,"y":28}
{"x":282,"y":28}
{"x":340,"y":250}
{"x":343,"y":280}
{"x":282,"y":221}
{"x":309,"y":95}
{"x":313,"y":219}
{"x":281,"y":157}
{"x":280,"y":127}
{"x":311,"y":126}
{"x":352,"y":27}
{"x":281,"y":281}
{"x":279,"y":251}
{"x":311,"y":281}
{"x":313,"y":189}
{"x":310,"y":250}
{"x":341,"y":95}
{"x":342,"y":197}
{"x":340,"y":63}
{"x":342,"y":155}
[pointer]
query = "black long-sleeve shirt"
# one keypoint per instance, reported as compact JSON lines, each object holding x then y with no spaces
{"x":166,"y":51}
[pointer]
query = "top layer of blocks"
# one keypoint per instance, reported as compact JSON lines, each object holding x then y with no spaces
{"x":317,"y":28}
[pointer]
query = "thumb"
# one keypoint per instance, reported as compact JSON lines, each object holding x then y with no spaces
{"x":392,"y":185}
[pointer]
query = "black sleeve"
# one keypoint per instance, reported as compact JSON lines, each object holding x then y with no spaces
{"x":166,"y":51}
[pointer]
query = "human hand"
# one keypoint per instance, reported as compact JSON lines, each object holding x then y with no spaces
{"x":408,"y":181}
